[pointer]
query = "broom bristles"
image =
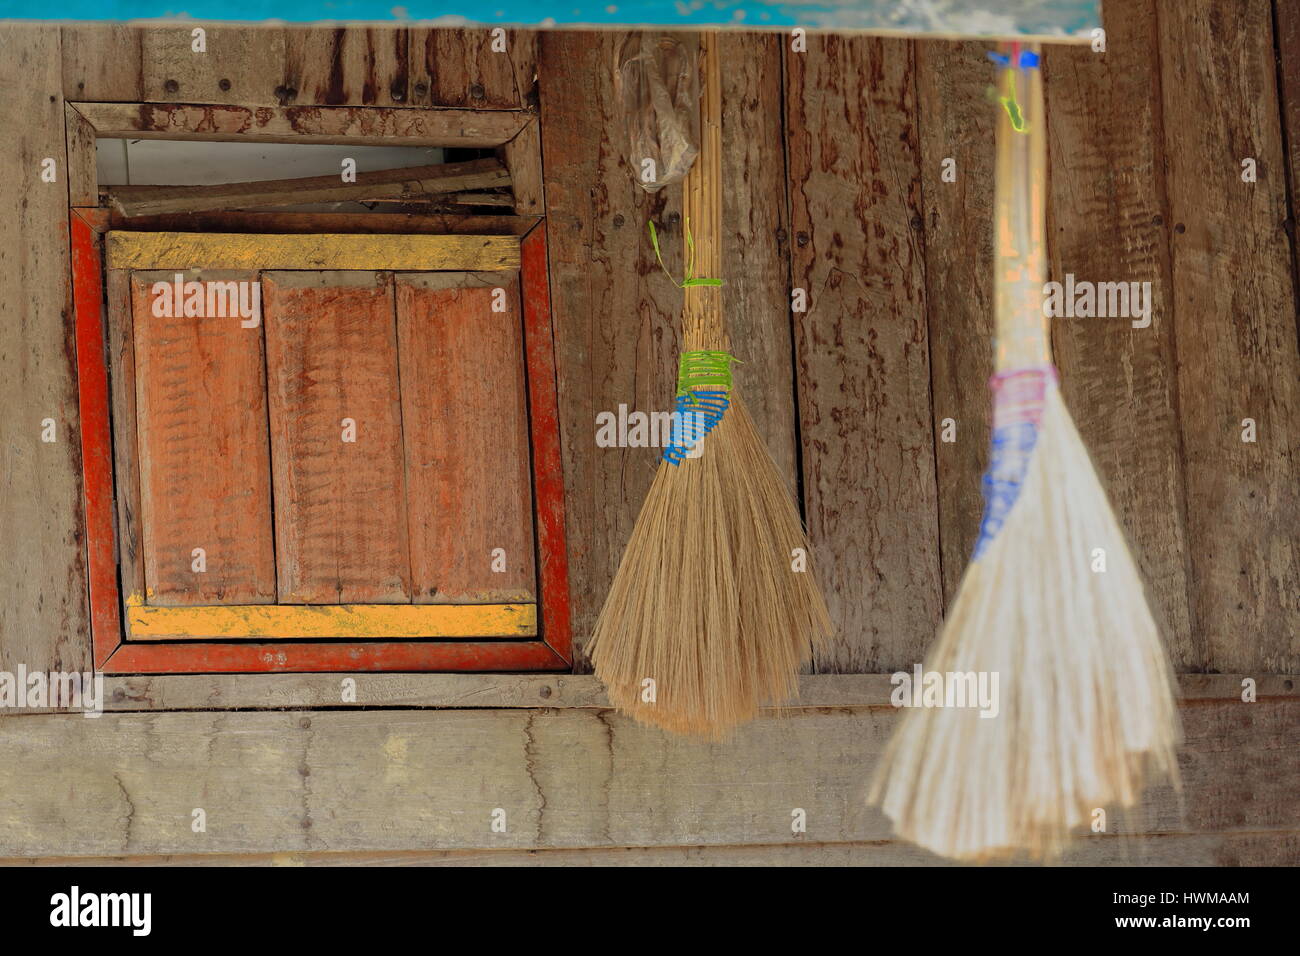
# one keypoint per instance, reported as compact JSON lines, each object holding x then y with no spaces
{"x":1086,"y":710}
{"x":706,"y":602}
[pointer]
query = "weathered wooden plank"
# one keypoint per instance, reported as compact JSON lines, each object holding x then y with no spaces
{"x":126,"y":455}
{"x":43,"y":613}
{"x":304,"y":124}
{"x":1235,"y":330}
{"x":345,"y":65}
{"x":181,"y":250}
{"x":240,"y":64}
{"x":957,"y":124}
{"x":416,"y":182}
{"x":465,"y":428}
{"x":472,"y":68}
{"x":755,"y":246}
{"x":204,"y":463}
{"x":523,"y":158}
{"x":616,"y":315}
{"x":102,"y":61}
{"x":1270,"y":848}
{"x":336,"y":438}
{"x":83,"y":180}
{"x":308,"y":691}
{"x":356,"y":621}
{"x":1106,"y":218}
{"x":1286,"y":42}
{"x":431,"y":780}
{"x":329,"y":222}
{"x":861,"y":348}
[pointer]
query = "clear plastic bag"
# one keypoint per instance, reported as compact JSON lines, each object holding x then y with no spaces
{"x":657,"y":81}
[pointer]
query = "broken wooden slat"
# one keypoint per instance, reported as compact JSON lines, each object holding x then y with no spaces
{"x":862,"y":351}
{"x":204,"y":462}
{"x":321,"y":124}
{"x":355,"y":621}
{"x":336,"y":438}
{"x":406,"y":252}
{"x":415,"y":182}
{"x":381,"y":223}
{"x":465,"y":424}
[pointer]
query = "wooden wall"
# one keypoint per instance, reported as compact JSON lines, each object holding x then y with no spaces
{"x":833,"y":161}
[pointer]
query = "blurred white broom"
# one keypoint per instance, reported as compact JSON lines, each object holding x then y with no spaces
{"x":707,"y":619}
{"x":1086,"y":710}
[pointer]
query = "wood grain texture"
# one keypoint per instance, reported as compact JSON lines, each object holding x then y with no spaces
{"x":242,"y":64}
{"x":333,"y":222}
{"x":340,"y":506}
{"x":1107,"y":223}
{"x":460,"y":67}
{"x":1270,"y":848}
{"x":430,"y":780}
{"x":83,"y":178}
{"x":304,"y":124}
{"x":1234,"y":321}
{"x":523,"y":158}
{"x":345,"y":65}
{"x":102,"y":62}
{"x":861,"y":348}
{"x":126,"y":446}
{"x":957,"y":123}
{"x":616,"y":315}
{"x":313,"y":691}
{"x":180,"y":250}
{"x":204,"y":463}
{"x":43,"y":604}
{"x":465,"y":427}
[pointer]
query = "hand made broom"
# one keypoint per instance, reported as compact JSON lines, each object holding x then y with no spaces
{"x":1086,"y":707}
{"x":707,"y":618}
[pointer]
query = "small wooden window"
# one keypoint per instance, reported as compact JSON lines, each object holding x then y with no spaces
{"x":354,"y":478}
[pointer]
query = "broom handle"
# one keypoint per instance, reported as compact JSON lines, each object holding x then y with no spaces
{"x":1020,"y":258}
{"x":702,"y":324}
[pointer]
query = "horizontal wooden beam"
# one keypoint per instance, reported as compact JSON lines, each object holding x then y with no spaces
{"x":362,"y":126}
{"x":280,"y":691}
{"x":403,"y":780}
{"x":433,"y":223}
{"x":402,"y":253}
{"x":411,"y":183}
{"x":356,"y":621}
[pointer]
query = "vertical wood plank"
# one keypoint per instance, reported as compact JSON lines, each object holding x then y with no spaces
{"x":82,"y":173}
{"x":340,"y":506}
{"x":1106,"y":223}
{"x":352,"y":66}
{"x":465,"y":426}
{"x":1235,"y":330}
{"x":862,"y":348}
{"x":43,"y":603}
{"x":203,"y":458}
{"x":755,"y":248}
{"x":243,"y":64}
{"x":459,"y":67}
{"x":523,"y":158}
{"x":1287,"y":45}
{"x":957,"y":123}
{"x":126,"y":454}
{"x":615,"y":314}
{"x":102,"y":62}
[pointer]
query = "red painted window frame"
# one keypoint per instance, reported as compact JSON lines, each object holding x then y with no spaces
{"x":550,"y":650}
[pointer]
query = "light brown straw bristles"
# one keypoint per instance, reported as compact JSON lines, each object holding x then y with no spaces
{"x":708,"y":604}
{"x":1086,"y":709}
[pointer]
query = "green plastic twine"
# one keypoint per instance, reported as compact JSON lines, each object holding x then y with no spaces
{"x":704,"y":369}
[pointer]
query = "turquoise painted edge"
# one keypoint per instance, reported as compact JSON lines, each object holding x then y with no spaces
{"x":1005,"y":18}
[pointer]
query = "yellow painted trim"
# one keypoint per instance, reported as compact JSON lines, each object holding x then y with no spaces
{"x":216,"y":250}
{"x":359,"y":621}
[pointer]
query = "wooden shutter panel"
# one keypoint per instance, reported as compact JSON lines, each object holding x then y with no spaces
{"x":340,"y":507}
{"x":465,"y":415}
{"x":204,"y":463}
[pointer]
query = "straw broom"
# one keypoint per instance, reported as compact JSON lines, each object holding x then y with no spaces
{"x":707,"y":620}
{"x":1086,"y":711}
